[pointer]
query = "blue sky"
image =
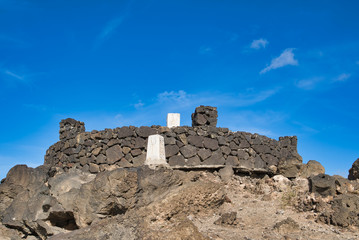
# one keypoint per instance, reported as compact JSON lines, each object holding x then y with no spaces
{"x":272,"y":67}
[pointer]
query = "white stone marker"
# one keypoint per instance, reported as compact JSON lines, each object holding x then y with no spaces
{"x":155,"y":151}
{"x":173,"y":120}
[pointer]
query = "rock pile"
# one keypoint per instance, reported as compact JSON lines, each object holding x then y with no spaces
{"x":205,"y":116}
{"x":69,"y":128}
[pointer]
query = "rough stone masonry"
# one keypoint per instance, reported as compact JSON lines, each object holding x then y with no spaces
{"x":204,"y":145}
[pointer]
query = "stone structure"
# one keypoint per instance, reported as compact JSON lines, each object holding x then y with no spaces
{"x":204,"y":146}
{"x":173,"y":120}
{"x":205,"y":116}
{"x":155,"y":151}
{"x":69,"y":128}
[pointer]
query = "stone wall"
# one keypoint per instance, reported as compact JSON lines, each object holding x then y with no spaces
{"x":203,"y":146}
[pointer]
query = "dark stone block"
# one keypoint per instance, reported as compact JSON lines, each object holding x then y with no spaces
{"x":171,"y":150}
{"x":114,"y":154}
{"x":100,"y":159}
{"x":140,"y":143}
{"x":261,"y":148}
{"x":196,"y":141}
{"x":125,"y":132}
{"x":323,"y":184}
{"x":170,"y":140}
{"x":188,"y":151}
{"x":145,"y":131}
{"x":226,"y":150}
{"x":216,"y":159}
{"x":222,"y":141}
{"x":233,"y":145}
{"x":232,"y":160}
{"x":204,"y":154}
{"x":177,"y":160}
{"x":210,"y":143}
{"x":194,"y":161}
{"x":136,"y":152}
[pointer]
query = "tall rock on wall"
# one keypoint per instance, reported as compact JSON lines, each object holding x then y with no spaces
{"x":205,"y":116}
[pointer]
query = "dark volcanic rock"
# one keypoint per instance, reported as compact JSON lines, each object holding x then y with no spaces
{"x":188,"y":151}
{"x":312,"y":168}
{"x":354,"y":171}
{"x":323,"y":184}
{"x":176,"y":160}
{"x":114,"y":154}
{"x":69,"y":128}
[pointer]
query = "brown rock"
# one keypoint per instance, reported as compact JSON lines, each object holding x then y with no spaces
{"x":114,"y":154}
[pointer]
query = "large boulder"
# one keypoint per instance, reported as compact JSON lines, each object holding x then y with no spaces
{"x":323,"y":184}
{"x":312,"y":168}
{"x":19,"y":179}
{"x":354,"y":171}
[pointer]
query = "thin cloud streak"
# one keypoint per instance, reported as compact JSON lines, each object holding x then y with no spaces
{"x":259,"y":43}
{"x":108,"y":31}
{"x":286,"y":58}
{"x":309,"y":83}
{"x":14,"y":75}
{"x":342,"y":77}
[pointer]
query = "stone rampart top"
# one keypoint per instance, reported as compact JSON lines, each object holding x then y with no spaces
{"x":202,"y":146}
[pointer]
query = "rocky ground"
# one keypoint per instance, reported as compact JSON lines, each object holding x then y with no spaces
{"x":141,"y":203}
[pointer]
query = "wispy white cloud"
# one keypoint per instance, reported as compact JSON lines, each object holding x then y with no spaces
{"x":139,"y":104}
{"x":108,"y":31}
{"x":286,"y":58}
{"x":14,"y":75}
{"x":259,"y":43}
{"x":309,"y":83}
{"x":177,"y":96}
{"x":342,"y":77}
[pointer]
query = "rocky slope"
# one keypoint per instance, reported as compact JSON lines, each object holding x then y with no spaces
{"x":140,"y":203}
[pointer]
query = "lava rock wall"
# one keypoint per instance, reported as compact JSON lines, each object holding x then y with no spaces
{"x":204,"y":146}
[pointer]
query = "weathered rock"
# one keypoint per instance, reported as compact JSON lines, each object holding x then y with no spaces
{"x":281,"y":183}
{"x":210,"y":143}
{"x":312,"y":168}
{"x":354,"y":171}
{"x":125,"y":132}
{"x":345,"y":211}
{"x":226,"y":173}
{"x":109,"y":194}
{"x":205,"y":115}
{"x":196,"y":141}
{"x":171,"y":150}
{"x":188,"y":151}
{"x":20,"y":178}
{"x":323,"y":184}
{"x":227,"y":219}
{"x":69,"y":128}
{"x":177,"y":160}
{"x":204,"y":154}
{"x":289,"y":167}
{"x":216,"y":159}
{"x":287,"y":226}
{"x":94,"y":168}
{"x":145,"y":131}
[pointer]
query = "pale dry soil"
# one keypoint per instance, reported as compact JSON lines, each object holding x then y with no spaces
{"x":258,"y":213}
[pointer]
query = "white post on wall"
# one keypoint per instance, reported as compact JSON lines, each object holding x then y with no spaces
{"x":155,"y":151}
{"x":173,"y":120}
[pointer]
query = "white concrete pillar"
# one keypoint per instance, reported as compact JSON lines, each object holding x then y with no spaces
{"x":155,"y":151}
{"x":173,"y":120}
